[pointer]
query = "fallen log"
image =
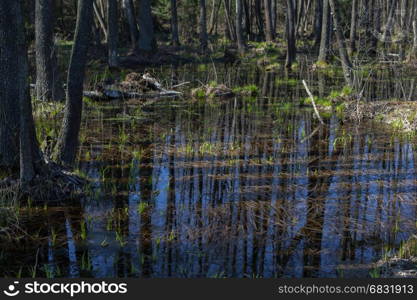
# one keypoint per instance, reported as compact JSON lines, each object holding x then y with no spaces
{"x":109,"y":94}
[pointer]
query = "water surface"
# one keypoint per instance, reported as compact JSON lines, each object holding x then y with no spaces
{"x":240,"y":187}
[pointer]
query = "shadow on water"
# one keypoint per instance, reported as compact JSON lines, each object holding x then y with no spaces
{"x":244,"y":187}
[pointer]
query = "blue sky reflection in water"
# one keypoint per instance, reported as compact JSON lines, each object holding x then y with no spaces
{"x":243,"y":187}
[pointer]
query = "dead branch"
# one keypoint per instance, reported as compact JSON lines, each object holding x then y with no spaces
{"x":313,"y":102}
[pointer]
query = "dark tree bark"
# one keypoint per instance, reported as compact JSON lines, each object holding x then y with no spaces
{"x":353,"y":24}
{"x":247,"y":20}
{"x":68,"y":139}
{"x":147,"y":41}
{"x":230,"y":33}
{"x":325,"y":33}
{"x":239,"y":30}
{"x":14,"y":85}
{"x":203,"y":25}
{"x":268,"y":21}
{"x":344,"y":56}
{"x":274,"y":5}
{"x":291,"y":47}
{"x":131,"y":20}
{"x":113,"y":32}
{"x":318,"y":21}
{"x":174,"y":24}
{"x":48,"y":84}
{"x":9,"y":90}
{"x":258,"y":17}
{"x":375,"y":23}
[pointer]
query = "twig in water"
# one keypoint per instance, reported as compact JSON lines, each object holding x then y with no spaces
{"x":180,"y":84}
{"x":313,"y":102}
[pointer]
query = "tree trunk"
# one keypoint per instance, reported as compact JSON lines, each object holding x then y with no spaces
{"x":353,"y":24}
{"x":203,"y":26}
{"x":268,"y":21}
{"x":388,"y":27}
{"x":131,"y":20}
{"x":413,"y":51}
{"x":68,"y":139}
{"x":113,"y":32}
{"x":14,"y":85}
{"x":258,"y":16}
{"x":318,"y":21}
{"x":325,"y":33}
{"x":147,"y":41}
{"x":229,"y":28}
{"x":291,"y":48}
{"x":344,"y":56}
{"x":239,"y":30}
{"x":174,"y":24}
{"x":9,"y":90}
{"x":48,"y":84}
{"x":274,"y":16}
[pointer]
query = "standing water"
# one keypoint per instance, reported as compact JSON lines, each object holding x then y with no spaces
{"x":247,"y":186}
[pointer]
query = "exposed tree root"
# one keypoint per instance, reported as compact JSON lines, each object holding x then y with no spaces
{"x":54,"y":185}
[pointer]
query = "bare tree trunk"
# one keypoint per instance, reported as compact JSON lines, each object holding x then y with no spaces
{"x":214,"y":16}
{"x":268,"y":20}
{"x":318,"y":21}
{"x":68,"y":140}
{"x":239,"y":30}
{"x":147,"y":41}
{"x":113,"y":32}
{"x":344,"y":56}
{"x":203,"y":26}
{"x":9,"y":90}
{"x":413,"y":51}
{"x":353,"y":24}
{"x":259,"y":20}
{"x":48,"y":84}
{"x":229,"y":27}
{"x":14,"y":83}
{"x":388,"y":27}
{"x":325,"y":33}
{"x":291,"y":48}
{"x":131,"y":19}
{"x":174,"y":24}
{"x":274,"y":16}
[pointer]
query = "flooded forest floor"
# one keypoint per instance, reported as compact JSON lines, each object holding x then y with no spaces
{"x":249,"y":185}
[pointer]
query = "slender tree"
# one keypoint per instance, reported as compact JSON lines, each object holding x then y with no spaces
{"x":68,"y":138}
{"x":174,"y":24}
{"x":318,"y":21}
{"x":291,"y":47}
{"x":203,"y":25}
{"x":112,"y":40}
{"x":239,"y":30}
{"x":413,"y":51}
{"x":353,"y":23}
{"x":344,"y":56}
{"x":48,"y":84}
{"x":325,"y":33}
{"x":147,"y":41}
{"x":131,"y":20}
{"x":268,"y":21}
